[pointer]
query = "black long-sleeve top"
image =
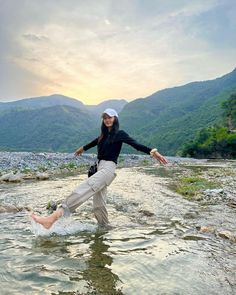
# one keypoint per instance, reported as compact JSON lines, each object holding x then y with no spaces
{"x":110,"y":150}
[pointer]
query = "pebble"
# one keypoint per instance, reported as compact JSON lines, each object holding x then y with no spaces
{"x":207,"y":229}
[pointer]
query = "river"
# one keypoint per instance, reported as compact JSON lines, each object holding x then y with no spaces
{"x":154,"y":245}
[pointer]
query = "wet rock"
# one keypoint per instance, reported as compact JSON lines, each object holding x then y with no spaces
{"x":191,"y":215}
{"x":29,"y":176}
{"x":213,"y":192}
{"x":146,"y":213}
{"x":5,"y":177}
{"x":216,"y":194}
{"x":225,"y":234}
{"x":16,"y":178}
{"x":193,"y":238}
{"x":52,"y":206}
{"x":11,"y":177}
{"x":7,"y":208}
{"x":232,"y":204}
{"x":42,"y":176}
{"x":207,"y":229}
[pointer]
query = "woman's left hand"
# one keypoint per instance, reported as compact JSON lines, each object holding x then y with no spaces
{"x":160,"y":158}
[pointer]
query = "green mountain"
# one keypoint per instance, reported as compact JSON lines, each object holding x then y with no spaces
{"x":170,"y":117}
{"x":166,"y":119}
{"x":57,"y":128}
{"x":50,"y":123}
{"x":61,"y":100}
{"x":218,"y":141}
{"x":117,"y":104}
{"x":42,"y":102}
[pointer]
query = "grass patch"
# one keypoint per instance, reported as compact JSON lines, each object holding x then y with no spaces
{"x":145,"y":162}
{"x":191,"y":187}
{"x":69,"y":166}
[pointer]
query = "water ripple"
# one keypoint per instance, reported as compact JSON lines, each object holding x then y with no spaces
{"x":153,"y":247}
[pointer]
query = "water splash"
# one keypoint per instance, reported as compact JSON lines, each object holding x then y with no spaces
{"x":62,"y":227}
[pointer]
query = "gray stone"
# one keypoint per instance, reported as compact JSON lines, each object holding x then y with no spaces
{"x":214,"y":192}
{"x":16,"y":178}
{"x":5,"y":177}
{"x":42,"y":176}
{"x":7,"y":208}
{"x":226,"y":234}
{"x":11,"y":177}
{"x":207,"y":229}
{"x":146,"y":213}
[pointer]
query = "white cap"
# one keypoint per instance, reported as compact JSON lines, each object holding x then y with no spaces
{"x":110,"y":113}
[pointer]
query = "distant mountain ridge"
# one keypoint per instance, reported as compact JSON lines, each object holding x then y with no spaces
{"x":57,"y":100}
{"x":57,"y":128}
{"x":166,"y":119}
{"x":50,"y":123}
{"x":117,"y":104}
{"x":169,"y":117}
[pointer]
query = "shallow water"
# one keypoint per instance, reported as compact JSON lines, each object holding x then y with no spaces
{"x":153,"y":247}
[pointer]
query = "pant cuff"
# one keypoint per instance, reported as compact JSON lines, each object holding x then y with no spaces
{"x":66,"y":210}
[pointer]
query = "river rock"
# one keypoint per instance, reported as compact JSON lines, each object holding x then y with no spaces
{"x":214,"y":192}
{"x":7,"y":208}
{"x":207,"y":229}
{"x":146,"y":213}
{"x":226,"y":234}
{"x":232,"y":204}
{"x":5,"y":177}
{"x":16,"y":178}
{"x":42,"y":176}
{"x":11,"y":177}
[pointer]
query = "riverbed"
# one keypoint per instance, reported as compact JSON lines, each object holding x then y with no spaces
{"x":155,"y":245}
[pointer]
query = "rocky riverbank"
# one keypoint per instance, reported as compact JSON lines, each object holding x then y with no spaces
{"x":196,"y":180}
{"x":168,"y":222}
{"x":19,"y":166}
{"x":161,"y":237}
{"x":193,"y":179}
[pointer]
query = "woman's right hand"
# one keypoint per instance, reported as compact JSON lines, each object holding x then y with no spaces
{"x":79,"y":151}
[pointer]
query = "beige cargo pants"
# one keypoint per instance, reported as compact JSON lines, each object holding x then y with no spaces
{"x":95,"y":186}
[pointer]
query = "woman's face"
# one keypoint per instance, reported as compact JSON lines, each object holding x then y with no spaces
{"x":108,"y":121}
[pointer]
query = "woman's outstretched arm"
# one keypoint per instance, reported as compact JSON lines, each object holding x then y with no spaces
{"x":140,"y":147}
{"x":156,"y":155}
{"x":84,"y":148}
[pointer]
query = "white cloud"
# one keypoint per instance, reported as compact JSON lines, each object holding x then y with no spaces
{"x":107,"y":22}
{"x":96,"y":50}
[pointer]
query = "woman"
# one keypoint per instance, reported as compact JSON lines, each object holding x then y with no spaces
{"x":109,"y":145}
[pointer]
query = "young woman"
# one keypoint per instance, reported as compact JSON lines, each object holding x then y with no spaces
{"x":109,"y":145}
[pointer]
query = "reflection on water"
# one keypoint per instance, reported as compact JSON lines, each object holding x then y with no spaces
{"x":88,"y":259}
{"x":98,"y":274}
{"x":153,"y":247}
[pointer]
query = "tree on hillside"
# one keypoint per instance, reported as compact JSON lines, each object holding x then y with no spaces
{"x":216,"y":141}
{"x":230,"y":112}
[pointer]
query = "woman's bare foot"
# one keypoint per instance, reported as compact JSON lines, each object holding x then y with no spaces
{"x":48,"y":221}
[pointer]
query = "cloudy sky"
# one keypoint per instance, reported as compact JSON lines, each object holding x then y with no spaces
{"x":97,"y":50}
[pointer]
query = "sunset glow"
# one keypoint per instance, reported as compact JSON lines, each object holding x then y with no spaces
{"x":98,"y":50}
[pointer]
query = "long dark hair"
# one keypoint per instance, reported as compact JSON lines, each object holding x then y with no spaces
{"x":114,"y":130}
